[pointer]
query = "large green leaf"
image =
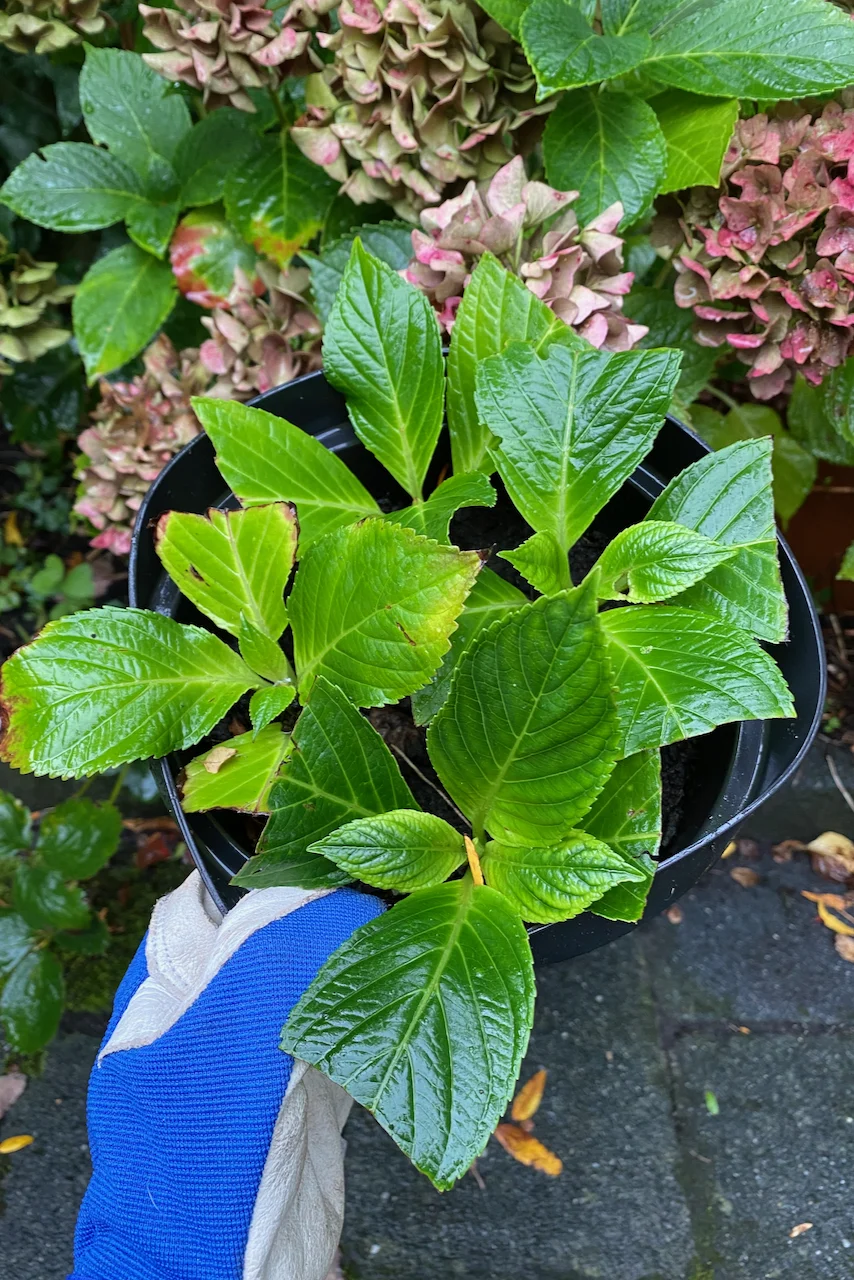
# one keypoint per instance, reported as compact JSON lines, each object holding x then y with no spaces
{"x":572,"y":427}
{"x":751,"y":49}
{"x":120,"y":304}
{"x":43,"y":397}
{"x":212,"y":150}
{"x":432,"y":517}
{"x":72,"y":187}
{"x":14,"y":825}
{"x":78,"y":837}
{"x":150,"y":222}
{"x":382,"y":348}
{"x":100,"y":688}
{"x":622,"y":16}
{"x":627,"y":816}
{"x":497,"y":308}
{"x":656,"y":560}
{"x":679,"y":672}
{"x":340,"y":769}
{"x":268,"y":459}
{"x":566,"y":53}
{"x":609,"y":146}
{"x":232,"y":563}
{"x":16,"y":940}
{"x":277,"y":198}
{"x":32,"y":1001}
{"x":131,"y":109}
{"x":557,"y":883}
{"x":846,"y":569}
{"x":403,"y":850}
{"x":508,"y":13}
{"x":372,"y":609}
{"x":424,"y":1015}
{"x":263,"y":653}
{"x":697,"y":132}
{"x":672,"y":326}
{"x":542,"y":562}
{"x":243,"y":780}
{"x":491,"y":598}
{"x":391,"y":242}
{"x":528,"y":734}
{"x":810,"y":423}
{"x":727,"y":496}
{"x":45,"y":901}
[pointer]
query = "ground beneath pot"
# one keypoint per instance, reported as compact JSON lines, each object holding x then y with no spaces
{"x":744,"y":998}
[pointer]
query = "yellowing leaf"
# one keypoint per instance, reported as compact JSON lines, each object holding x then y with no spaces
{"x":528,"y":1099}
{"x":215,"y":759}
{"x":11,"y":533}
{"x":833,"y":855}
{"x":528,"y":1150}
{"x":838,"y":926}
{"x":10,"y":1145}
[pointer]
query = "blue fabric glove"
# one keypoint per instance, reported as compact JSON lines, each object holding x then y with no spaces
{"x":216,"y":1156}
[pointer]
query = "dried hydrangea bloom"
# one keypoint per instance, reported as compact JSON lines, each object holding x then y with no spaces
{"x":419,"y":94}
{"x":259,"y":342}
{"x":135,"y":429}
{"x":45,"y":26}
{"x":767,"y":263}
{"x":223,"y":47}
{"x":577,"y":271}
{"x":27,"y":295}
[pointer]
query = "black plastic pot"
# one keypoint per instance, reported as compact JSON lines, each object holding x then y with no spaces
{"x":741,"y":765}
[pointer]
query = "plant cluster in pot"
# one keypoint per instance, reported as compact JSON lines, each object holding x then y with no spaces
{"x":540,"y":704}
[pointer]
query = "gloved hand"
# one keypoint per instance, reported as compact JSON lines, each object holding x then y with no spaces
{"x":217,"y":1156}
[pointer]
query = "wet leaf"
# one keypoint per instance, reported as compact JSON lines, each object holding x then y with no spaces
{"x":9,"y":1146}
{"x":830,"y":920}
{"x":528,"y":1150}
{"x":528,"y":1099}
{"x":832,"y":856}
{"x":745,"y":876}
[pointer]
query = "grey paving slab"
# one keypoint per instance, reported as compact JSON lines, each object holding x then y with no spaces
{"x":44,"y":1184}
{"x":779,"y":1153}
{"x":616,"y":1212}
{"x":811,"y":802}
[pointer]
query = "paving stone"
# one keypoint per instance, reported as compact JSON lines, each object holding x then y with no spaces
{"x":811,"y":802}
{"x":615,"y":1212}
{"x":44,"y":1184}
{"x":779,"y":1153}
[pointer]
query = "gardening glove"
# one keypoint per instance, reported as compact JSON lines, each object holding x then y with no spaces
{"x":217,"y":1156}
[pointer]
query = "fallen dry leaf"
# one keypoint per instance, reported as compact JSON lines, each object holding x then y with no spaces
{"x":748,"y":849}
{"x":528,"y":1150}
{"x":151,"y":824}
{"x":745,"y":876}
{"x":675,"y":915}
{"x":11,"y":1088}
{"x":786,"y":849}
{"x":838,"y":901}
{"x":10,"y":1145}
{"x":800,"y":1229}
{"x":844,"y":947}
{"x":832,"y":856}
{"x":216,"y":758}
{"x":729,"y":850}
{"x":527,"y":1100}
{"x":838,"y":926}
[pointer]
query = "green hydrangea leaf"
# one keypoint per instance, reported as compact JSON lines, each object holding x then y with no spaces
{"x":541,"y":562}
{"x":44,"y":397}
{"x":656,"y":560}
{"x":232,"y":564}
{"x":507,"y":13}
{"x":679,"y":672}
{"x":269,"y":702}
{"x":528,"y":735}
{"x":432,"y":518}
{"x":277,"y":198}
{"x":557,"y":883}
{"x":565,"y":52}
{"x":491,"y":598}
{"x":819,"y":421}
{"x":571,"y":427}
{"x":212,"y":149}
{"x":119,"y":305}
{"x":403,"y":850}
{"x":626,"y":815}
{"x":150,"y":223}
{"x":340,"y":769}
{"x":383,"y":350}
{"x":672,"y":326}
{"x":728,"y":497}
{"x":72,"y":187}
{"x":45,"y":901}
{"x":741,"y":49}
{"x":497,"y":308}
{"x":100,"y":688}
{"x":372,"y":609}
{"x":15,"y":826}
{"x":16,"y":940}
{"x":846,"y":569}
{"x":436,"y":1058}
{"x":263,"y":653}
{"x":241,"y":781}
{"x":79,"y":837}
{"x":391,"y":242}
{"x":92,"y":940}
{"x":609,"y":147}
{"x":697,"y":132}
{"x":267,"y":459}
{"x":32,"y":1001}
{"x":132,"y":110}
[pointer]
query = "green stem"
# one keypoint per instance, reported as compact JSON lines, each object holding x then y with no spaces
{"x":83,"y":788}
{"x":279,"y":109}
{"x":118,"y":784}
{"x":722,"y":396}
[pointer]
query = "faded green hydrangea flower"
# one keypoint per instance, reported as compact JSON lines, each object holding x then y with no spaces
{"x":28,"y":294}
